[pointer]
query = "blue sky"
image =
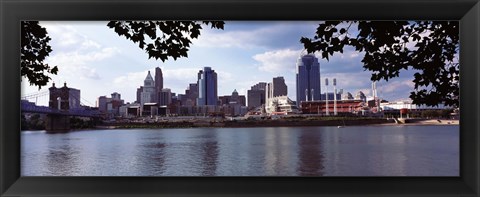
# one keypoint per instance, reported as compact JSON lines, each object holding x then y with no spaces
{"x":93,"y":58}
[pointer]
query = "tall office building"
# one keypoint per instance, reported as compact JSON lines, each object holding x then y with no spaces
{"x":165,"y":97}
{"x":308,"y":78}
{"x":279,"y":87}
{"x":158,"y":84}
{"x":256,"y":95}
{"x":139,"y":94}
{"x":148,"y":92}
{"x":191,"y":95}
{"x":207,"y":87}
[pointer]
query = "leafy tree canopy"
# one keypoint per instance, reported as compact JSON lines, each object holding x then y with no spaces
{"x":428,"y":47}
{"x":162,"y":39}
{"x":34,"y":50}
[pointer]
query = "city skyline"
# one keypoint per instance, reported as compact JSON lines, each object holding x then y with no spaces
{"x":89,"y":54}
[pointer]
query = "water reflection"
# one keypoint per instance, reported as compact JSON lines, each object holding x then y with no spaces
{"x":155,"y":156}
{"x":311,"y":156}
{"x":280,"y":151}
{"x":210,"y":156}
{"x":294,"y":151}
{"x":61,"y":157}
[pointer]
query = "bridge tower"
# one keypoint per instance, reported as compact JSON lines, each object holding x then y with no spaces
{"x":62,"y":99}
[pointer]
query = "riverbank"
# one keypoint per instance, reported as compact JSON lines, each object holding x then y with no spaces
{"x":276,"y":123}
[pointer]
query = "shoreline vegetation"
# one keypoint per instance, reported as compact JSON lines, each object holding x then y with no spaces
{"x":278,"y":123}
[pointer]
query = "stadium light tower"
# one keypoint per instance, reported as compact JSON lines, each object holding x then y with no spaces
{"x":326,"y":97}
{"x":334,"y":96}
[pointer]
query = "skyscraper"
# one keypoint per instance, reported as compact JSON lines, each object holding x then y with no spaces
{"x":165,"y":97}
{"x":148,"y":91}
{"x":308,"y":78}
{"x":256,"y":95}
{"x":139,"y":94}
{"x":207,"y":87}
{"x":158,"y":84}
{"x":279,"y":87}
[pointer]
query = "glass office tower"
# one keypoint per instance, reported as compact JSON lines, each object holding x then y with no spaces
{"x":207,"y":87}
{"x":308,"y":78}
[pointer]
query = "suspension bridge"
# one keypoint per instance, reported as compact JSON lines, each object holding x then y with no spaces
{"x":63,"y":103}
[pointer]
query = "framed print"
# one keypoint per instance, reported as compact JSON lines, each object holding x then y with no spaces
{"x":233,"y":107}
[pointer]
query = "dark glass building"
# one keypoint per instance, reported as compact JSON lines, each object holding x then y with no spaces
{"x":308,"y":78}
{"x":207,"y":87}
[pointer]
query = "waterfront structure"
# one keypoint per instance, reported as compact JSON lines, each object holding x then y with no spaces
{"x":64,"y":98}
{"x":158,"y":84}
{"x":110,"y":106}
{"x":280,"y":105}
{"x":256,"y":95}
{"x":307,"y":78}
{"x":344,"y":107}
{"x":129,"y":110}
{"x":408,"y":104}
{"x":207,"y":87}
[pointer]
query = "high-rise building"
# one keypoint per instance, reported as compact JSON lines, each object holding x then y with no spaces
{"x":308,"y":78}
{"x":139,"y":94}
{"x":148,"y":93}
{"x":191,"y":95}
{"x":279,"y":87}
{"x":165,"y":97}
{"x":158,"y":84}
{"x":110,"y":106}
{"x":207,"y":87}
{"x":276,"y":88}
{"x":256,"y":95}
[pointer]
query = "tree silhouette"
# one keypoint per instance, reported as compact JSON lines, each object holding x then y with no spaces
{"x":428,"y":47}
{"x":34,"y":50}
{"x":162,"y":39}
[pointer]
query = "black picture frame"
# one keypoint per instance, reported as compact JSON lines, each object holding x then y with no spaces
{"x":12,"y":12}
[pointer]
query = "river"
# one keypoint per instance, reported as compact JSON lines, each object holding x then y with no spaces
{"x":265,"y":151}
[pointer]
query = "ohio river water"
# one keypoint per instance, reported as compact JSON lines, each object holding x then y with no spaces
{"x":274,"y":151}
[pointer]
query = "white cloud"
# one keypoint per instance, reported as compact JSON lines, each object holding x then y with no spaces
{"x":279,"y":61}
{"x":239,"y":39}
{"x":260,"y":34}
{"x":189,"y":75}
{"x":395,"y":86}
{"x":352,"y":82}
{"x":79,"y":63}
{"x":63,"y":35}
{"x":74,"y":53}
{"x":90,"y":44}
{"x":134,"y":79}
